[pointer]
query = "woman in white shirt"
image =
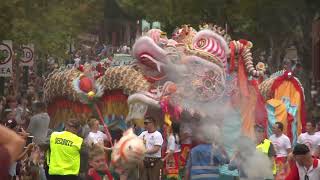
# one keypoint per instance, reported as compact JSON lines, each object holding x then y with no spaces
{"x":95,"y":136}
{"x":171,"y":160}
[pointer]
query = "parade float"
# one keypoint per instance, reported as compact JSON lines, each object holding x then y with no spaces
{"x":197,"y":76}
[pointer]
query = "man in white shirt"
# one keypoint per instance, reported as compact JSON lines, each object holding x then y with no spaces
{"x":153,"y":141}
{"x":310,"y":138}
{"x":281,"y":144}
{"x":304,"y":167}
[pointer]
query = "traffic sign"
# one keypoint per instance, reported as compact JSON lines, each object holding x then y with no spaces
{"x":6,"y":58}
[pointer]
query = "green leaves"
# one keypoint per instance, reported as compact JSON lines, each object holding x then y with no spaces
{"x":50,"y":25}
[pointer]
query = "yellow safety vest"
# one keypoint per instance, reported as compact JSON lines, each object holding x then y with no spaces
{"x":64,"y":153}
{"x":264,"y":148}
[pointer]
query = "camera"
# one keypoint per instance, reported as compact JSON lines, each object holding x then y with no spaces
{"x":29,"y":140}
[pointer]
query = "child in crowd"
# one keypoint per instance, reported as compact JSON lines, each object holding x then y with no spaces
{"x":98,"y":165}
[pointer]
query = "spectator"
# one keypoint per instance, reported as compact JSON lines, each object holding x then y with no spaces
{"x":22,"y":109}
{"x":95,"y":136}
{"x":318,"y":128}
{"x":11,"y":146}
{"x":153,"y":141}
{"x":204,"y":159}
{"x":281,"y":145}
{"x":171,"y":160}
{"x":11,"y":108}
{"x":39,"y":123}
{"x":12,"y":124}
{"x":304,"y":167}
{"x":2,"y":103}
{"x":310,"y":138}
{"x":98,"y":164}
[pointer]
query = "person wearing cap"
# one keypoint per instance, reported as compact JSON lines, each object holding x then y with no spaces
{"x":303,"y":166}
{"x":265,"y":145}
{"x":66,"y":147}
{"x":153,"y":141}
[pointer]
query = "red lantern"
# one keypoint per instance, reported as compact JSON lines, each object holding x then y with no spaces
{"x":85,"y":84}
{"x":81,"y":68}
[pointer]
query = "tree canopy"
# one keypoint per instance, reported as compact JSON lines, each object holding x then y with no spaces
{"x":50,"y":25}
{"x":269,"y":24}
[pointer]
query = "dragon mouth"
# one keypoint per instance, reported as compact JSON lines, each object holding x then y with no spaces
{"x":152,"y":68}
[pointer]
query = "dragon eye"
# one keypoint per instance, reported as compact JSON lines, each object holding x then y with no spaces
{"x":201,"y":43}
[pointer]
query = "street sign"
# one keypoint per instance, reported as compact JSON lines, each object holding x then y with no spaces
{"x":27,"y":55}
{"x":6,"y":58}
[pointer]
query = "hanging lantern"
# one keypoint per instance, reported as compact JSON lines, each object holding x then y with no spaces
{"x":85,"y":84}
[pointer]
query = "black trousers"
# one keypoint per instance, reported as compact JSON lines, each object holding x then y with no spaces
{"x":67,"y":177}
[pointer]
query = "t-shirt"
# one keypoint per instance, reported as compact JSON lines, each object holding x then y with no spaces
{"x":186,"y":128}
{"x":98,"y":137}
{"x":150,"y":140}
{"x":172,"y":145}
{"x":312,"y":141}
{"x":38,"y":127}
{"x":280,"y":144}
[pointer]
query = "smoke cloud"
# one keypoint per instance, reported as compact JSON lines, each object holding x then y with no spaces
{"x":220,"y":121}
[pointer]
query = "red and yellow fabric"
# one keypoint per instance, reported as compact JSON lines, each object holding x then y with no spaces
{"x":184,"y":154}
{"x":282,"y":170}
{"x":280,"y":111}
{"x":253,"y":110}
{"x":251,"y":102}
{"x":171,"y":166}
{"x":287,"y":86}
{"x":247,"y":110}
{"x":288,"y":89}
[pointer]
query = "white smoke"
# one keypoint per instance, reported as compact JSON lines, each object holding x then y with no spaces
{"x":220,"y":122}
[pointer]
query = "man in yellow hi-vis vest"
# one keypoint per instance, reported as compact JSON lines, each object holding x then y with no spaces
{"x":265,"y":145}
{"x":65,"y":150}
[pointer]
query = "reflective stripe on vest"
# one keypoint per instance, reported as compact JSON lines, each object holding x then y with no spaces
{"x":264,"y":148}
{"x":65,"y":153}
{"x":48,"y":157}
{"x":201,"y":176}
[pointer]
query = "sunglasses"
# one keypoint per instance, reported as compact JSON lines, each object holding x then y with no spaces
{"x":306,"y":177}
{"x":145,"y":123}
